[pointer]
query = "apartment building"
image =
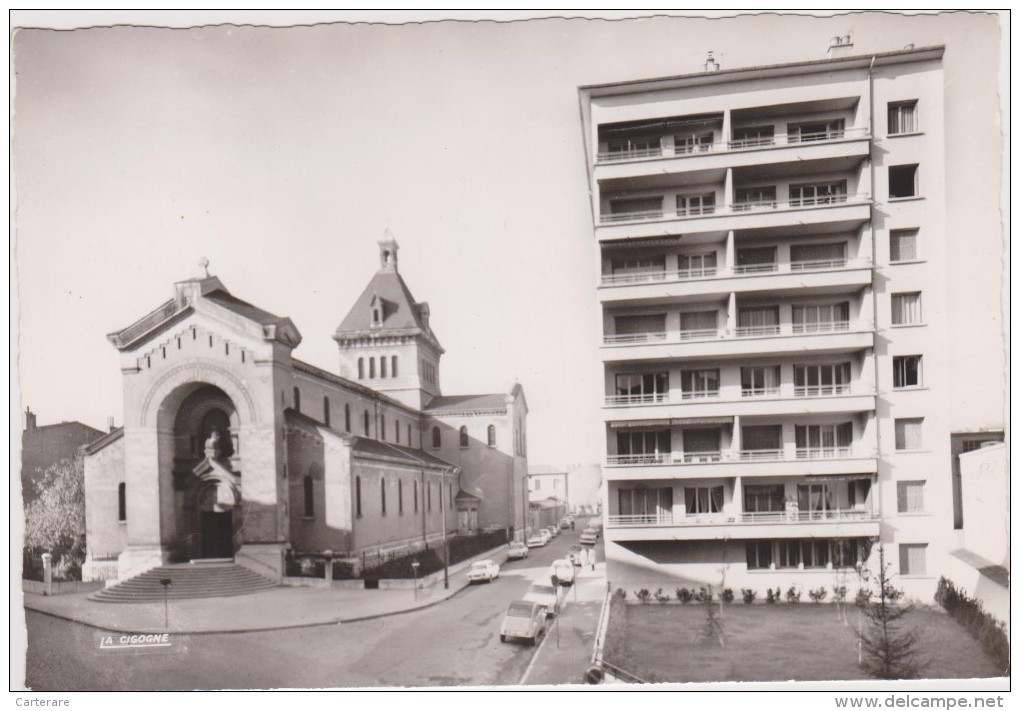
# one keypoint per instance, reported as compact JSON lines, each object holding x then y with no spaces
{"x":776,"y":337}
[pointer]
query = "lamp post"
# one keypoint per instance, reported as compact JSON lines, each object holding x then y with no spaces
{"x":166,"y":583}
{"x":414,"y":567}
{"x":446,"y":550}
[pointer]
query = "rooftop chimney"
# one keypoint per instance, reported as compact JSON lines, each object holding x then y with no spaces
{"x":29,"y":419}
{"x":710,"y":64}
{"x":109,"y":424}
{"x":842,"y":46}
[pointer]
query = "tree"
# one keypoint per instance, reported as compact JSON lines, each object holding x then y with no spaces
{"x":55,"y":520}
{"x":888,"y":651}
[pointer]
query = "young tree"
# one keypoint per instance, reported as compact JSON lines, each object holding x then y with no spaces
{"x":889,"y":651}
{"x":55,"y":520}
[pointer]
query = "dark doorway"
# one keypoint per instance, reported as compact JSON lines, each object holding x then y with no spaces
{"x":217,"y":535}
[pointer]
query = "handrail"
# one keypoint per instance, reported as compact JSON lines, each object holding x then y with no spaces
{"x":661,"y":275}
{"x":703,"y":334}
{"x":666,"y":518}
{"x":742,"y":455}
{"x":735,"y":208}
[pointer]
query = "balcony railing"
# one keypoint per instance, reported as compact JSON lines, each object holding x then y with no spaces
{"x":821,"y":390}
{"x":760,"y":392}
{"x":661,"y":518}
{"x":823,"y":452}
{"x":814,"y":265}
{"x":756,"y":268}
{"x":699,"y":395}
{"x":798,"y":391}
{"x":735,"y":208}
{"x":743,"y":455}
{"x":662,"y":275}
{"x":698,"y":334}
{"x":699,"y":457}
{"x":821,"y":327}
{"x":756,"y":331}
{"x":636,"y":460}
{"x":651,"y":337}
{"x":759,"y":455}
{"x":804,"y":516}
{"x":645,"y":399}
{"x":778,"y":140}
{"x":709,"y":334}
{"x":666,"y":518}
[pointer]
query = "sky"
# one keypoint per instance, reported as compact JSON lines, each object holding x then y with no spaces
{"x":283,"y":154}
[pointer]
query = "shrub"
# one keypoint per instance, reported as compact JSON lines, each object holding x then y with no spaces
{"x":839,"y":593}
{"x":727,"y":595}
{"x":662,"y":597}
{"x":862,"y":598}
{"x":684,"y":595}
{"x":703,"y":595}
{"x":643,"y":595}
{"x":792,"y":594}
{"x":818,"y":594}
{"x":749,"y":595}
{"x":620,"y":594}
{"x":979,"y":624}
{"x":770,"y":599}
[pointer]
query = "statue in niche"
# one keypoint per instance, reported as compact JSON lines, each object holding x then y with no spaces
{"x":212,"y":445}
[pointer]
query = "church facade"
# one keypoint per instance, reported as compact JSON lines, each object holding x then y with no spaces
{"x":233,"y":448}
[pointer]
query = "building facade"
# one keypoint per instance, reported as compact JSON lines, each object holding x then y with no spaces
{"x":42,"y":447}
{"x":777,"y":330}
{"x":233,"y":448}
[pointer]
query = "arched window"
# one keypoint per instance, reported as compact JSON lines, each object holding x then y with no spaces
{"x":382,"y":427}
{"x":357,"y":496}
{"x":382,"y":494}
{"x":429,"y":493}
{"x":366,"y":423}
{"x":382,"y":367}
{"x":449,"y":496}
{"x":463,"y":437}
{"x":409,"y":442}
{"x":416,"y":496}
{"x":437,"y":439}
{"x":492,"y":435}
{"x":371,"y":367}
{"x":375,"y":317}
{"x":347,"y":416}
{"x":361,"y":368}
{"x":400,"y":496}
{"x":297,"y":399}
{"x":309,"y":498}
{"x":325,"y":410}
{"x":393,"y":366}
{"x":396,"y":430}
{"x":122,"y":501}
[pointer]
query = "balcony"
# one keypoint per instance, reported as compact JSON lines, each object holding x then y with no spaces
{"x":667,"y":525}
{"x":753,"y":402}
{"x":857,"y":459}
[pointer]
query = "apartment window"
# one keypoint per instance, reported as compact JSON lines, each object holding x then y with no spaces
{"x":365,"y":422}
{"x":538,"y":484}
{"x":437,"y":438}
{"x":400,"y":496}
{"x":382,"y":494}
{"x":650,"y":504}
{"x":817,"y":194}
{"x":751,"y":260}
{"x":752,"y":136}
{"x":908,"y":433}
{"x":764,"y":439}
{"x":907,"y":371}
{"x":903,"y":181}
{"x":692,"y":205}
{"x":325,"y":411}
{"x":821,"y":318}
{"x":759,"y":380}
{"x":815,"y":553}
{"x":463,"y":437}
{"x":759,"y":555}
{"x":644,"y":445}
{"x":357,"y":496}
{"x":649,"y":145}
{"x":393,"y":366}
{"x":902,"y":117}
{"x":698,"y":384}
{"x":382,"y":367}
{"x":906,"y":308}
{"x":969,"y":445}
{"x":382,"y":427}
{"x":693,"y":144}
{"x":789,"y":554}
{"x":122,"y":502}
{"x":693,"y":266}
{"x":640,"y":265}
{"x":913,"y":558}
{"x":814,"y":131}
{"x":699,"y":324}
{"x":491,"y":435}
{"x":825,"y":379}
{"x":347,"y":417}
{"x":902,"y":245}
{"x":910,"y":496}
{"x":309,"y":497}
{"x":817,"y":499}
{"x":758,"y":321}
{"x":297,"y":400}
{"x":703,"y":499}
{"x":817,"y":256}
{"x":361,"y":368}
{"x":638,"y":207}
{"x":823,"y":441}
{"x":640,"y":325}
{"x":764,"y":498}
{"x":760,"y":196}
{"x":701,"y":445}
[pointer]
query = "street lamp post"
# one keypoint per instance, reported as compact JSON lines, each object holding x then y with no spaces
{"x":166,"y":583}
{"x":414,"y":567}
{"x":446,"y":549}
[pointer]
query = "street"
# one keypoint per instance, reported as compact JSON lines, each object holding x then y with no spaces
{"x":454,"y":643}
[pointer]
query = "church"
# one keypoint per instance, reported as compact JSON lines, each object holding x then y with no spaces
{"x":232,"y":448}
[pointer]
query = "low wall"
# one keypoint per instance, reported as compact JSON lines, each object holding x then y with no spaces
{"x":322,"y":583}
{"x":60,"y":588}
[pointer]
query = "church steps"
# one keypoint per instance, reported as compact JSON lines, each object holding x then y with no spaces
{"x":189,"y":581}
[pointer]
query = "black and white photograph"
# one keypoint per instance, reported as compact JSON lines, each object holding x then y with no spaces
{"x":511,"y":351}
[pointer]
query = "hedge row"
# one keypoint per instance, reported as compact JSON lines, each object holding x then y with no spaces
{"x":983,"y":627}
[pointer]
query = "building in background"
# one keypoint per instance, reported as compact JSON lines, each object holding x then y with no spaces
{"x":781,"y":357}
{"x":233,"y":448}
{"x":42,"y":447}
{"x":548,"y":495}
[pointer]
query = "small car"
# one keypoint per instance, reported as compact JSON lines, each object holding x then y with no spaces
{"x":589,"y":539}
{"x":562,"y":572}
{"x":483,"y":570}
{"x":544,"y":534}
{"x":553,"y":531}
{"x":592,"y":530}
{"x":564,"y":524}
{"x":523,"y":620}
{"x":516,"y":551}
{"x":546,"y":596}
{"x":537,"y":541}
{"x":575,"y":553}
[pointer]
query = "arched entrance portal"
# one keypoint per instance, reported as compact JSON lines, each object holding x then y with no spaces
{"x":207,"y":474}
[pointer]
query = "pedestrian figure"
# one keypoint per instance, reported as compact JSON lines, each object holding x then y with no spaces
{"x":591,"y":558}
{"x":584,"y":558}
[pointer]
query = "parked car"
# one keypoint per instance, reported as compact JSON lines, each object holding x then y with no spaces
{"x":516,"y":551}
{"x":592,"y":530}
{"x":562,"y":572}
{"x":564,"y":524}
{"x":483,"y":570}
{"x":537,"y":541}
{"x":552,"y":531}
{"x":589,"y":538}
{"x":545,"y":595}
{"x":574,"y":554}
{"x":523,"y":620}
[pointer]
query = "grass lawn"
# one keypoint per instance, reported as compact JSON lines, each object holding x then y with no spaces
{"x":803,"y":642}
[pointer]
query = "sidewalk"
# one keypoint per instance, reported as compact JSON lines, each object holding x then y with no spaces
{"x":277,"y":608}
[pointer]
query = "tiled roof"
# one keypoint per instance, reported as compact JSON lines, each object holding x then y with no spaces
{"x":243,"y":308}
{"x":400,"y":312}
{"x":387,"y":449}
{"x":455,"y":403}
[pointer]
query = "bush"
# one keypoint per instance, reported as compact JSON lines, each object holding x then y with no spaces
{"x":684,"y":595}
{"x":620,"y":594}
{"x":792,"y":595}
{"x":862,"y":598}
{"x":662,"y":597}
{"x":818,"y":594}
{"x":749,"y":595}
{"x":727,"y":595}
{"x":643,"y":595}
{"x":703,"y":595}
{"x":979,"y":624}
{"x":770,"y":598}
{"x":839,"y":593}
